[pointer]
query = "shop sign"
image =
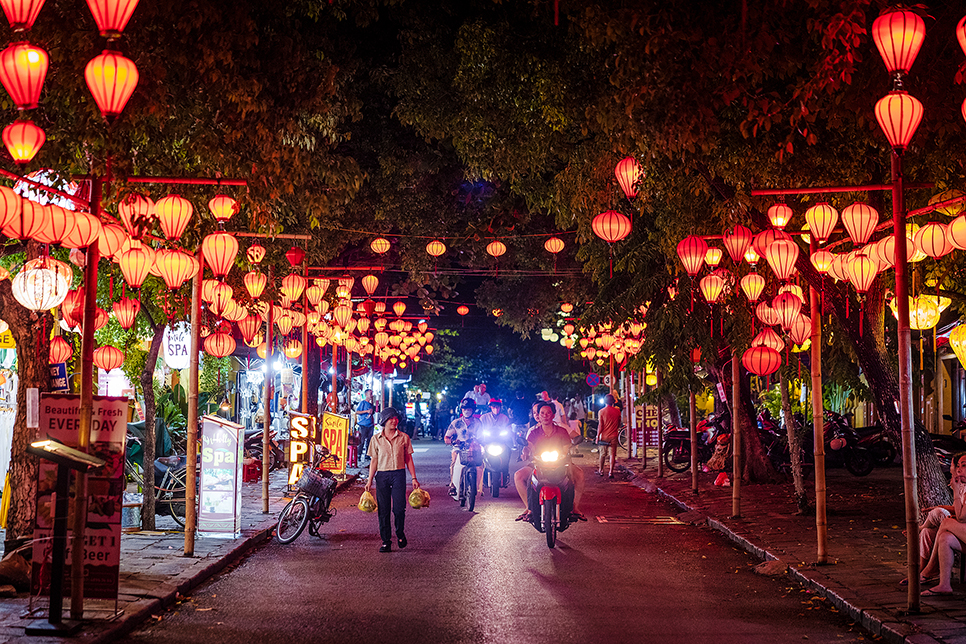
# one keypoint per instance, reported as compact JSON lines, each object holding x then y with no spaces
{"x":6,"y":340}
{"x":58,"y":378}
{"x":219,"y":506}
{"x":60,"y":420}
{"x":302,"y":438}
{"x":335,"y":437}
{"x":177,"y":345}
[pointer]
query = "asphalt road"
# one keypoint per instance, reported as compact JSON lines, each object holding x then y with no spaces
{"x":630,"y":574}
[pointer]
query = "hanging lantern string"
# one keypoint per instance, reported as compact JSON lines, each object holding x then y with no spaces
{"x":452,"y":238}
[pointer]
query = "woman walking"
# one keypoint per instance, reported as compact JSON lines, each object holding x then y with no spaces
{"x":391,"y":454}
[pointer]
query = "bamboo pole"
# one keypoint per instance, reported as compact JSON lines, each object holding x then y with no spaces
{"x":692,"y":411}
{"x":305,"y":342}
{"x":85,"y":418}
{"x":660,"y":430}
{"x":191,"y":493}
{"x":735,"y":436}
{"x":818,"y":422}
{"x":268,"y":393}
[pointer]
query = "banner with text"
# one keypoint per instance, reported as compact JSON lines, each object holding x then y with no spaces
{"x":60,"y":420}
{"x":219,"y":490}
{"x":303,"y":438}
{"x":335,"y":436}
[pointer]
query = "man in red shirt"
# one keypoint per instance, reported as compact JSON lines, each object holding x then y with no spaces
{"x":608,"y":427}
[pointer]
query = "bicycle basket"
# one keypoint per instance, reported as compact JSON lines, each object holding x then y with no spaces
{"x":315,"y":482}
{"x":471,"y":455}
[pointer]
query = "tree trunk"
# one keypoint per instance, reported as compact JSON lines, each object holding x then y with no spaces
{"x":671,"y":404}
{"x":147,"y":386}
{"x":33,"y":348}
{"x":794,"y":446}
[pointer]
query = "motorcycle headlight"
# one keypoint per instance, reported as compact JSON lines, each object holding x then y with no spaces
{"x":549,"y":457}
{"x":494,"y":450}
{"x":504,"y":433}
{"x":486,"y":432}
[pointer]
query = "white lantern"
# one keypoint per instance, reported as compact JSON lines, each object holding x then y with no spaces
{"x":39,"y":289}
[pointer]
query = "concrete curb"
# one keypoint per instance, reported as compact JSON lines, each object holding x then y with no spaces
{"x":874,"y":621}
{"x":140,"y":611}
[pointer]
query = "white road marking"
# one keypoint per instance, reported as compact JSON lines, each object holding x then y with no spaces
{"x":417,"y":450}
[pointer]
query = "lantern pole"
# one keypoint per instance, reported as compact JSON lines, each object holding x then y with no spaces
{"x":85,"y":417}
{"x":818,"y":418}
{"x":333,"y":396}
{"x":268,"y":393}
{"x":660,"y":430}
{"x":905,"y":383}
{"x":305,"y":341}
{"x":693,"y":417}
{"x":191,"y":493}
{"x":735,"y":437}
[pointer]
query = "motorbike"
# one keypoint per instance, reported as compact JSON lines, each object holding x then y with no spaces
{"x":497,"y":447}
{"x":253,"y":447}
{"x":677,"y":442}
{"x":879,"y":442}
{"x":550,"y":495}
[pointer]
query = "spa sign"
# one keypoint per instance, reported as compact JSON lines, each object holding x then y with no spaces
{"x":302,"y":439}
{"x":219,"y":502}
{"x":334,"y":434}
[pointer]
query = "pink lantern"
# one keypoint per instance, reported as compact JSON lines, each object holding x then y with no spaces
{"x":782,"y":255}
{"x":860,"y":220}
{"x":736,"y":242}
{"x":692,"y":251}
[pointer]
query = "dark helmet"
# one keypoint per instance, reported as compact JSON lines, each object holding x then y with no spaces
{"x":468,"y":403}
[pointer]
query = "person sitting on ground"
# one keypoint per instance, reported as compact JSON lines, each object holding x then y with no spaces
{"x":548,"y":436}
{"x":608,"y":427}
{"x":949,"y":535}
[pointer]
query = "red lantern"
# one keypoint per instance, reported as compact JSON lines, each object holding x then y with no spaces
{"x":23,"y":140}
{"x":931,"y":239}
{"x":821,"y":220}
{"x":736,"y":242}
{"x":222,"y":207}
{"x":434,"y":248}
{"x":822,"y":260}
{"x":800,"y":330}
{"x":295,"y":255}
{"x":59,"y":226}
{"x":761,"y":361}
{"x":553,"y":245}
{"x":173,"y":266}
{"x":961,"y":34}
{"x":766,"y":314}
{"x":696,"y":355}
{"x":23,"y":68}
{"x":29,"y":221}
{"x":111,"y":79}
{"x":752,"y":284}
{"x":713,"y":257}
{"x":860,"y":220}
{"x":782,"y":255}
{"x":628,"y":173}
{"x":219,"y":250}
{"x":899,"y":115}
{"x":712,"y":287}
{"x":255,"y":283}
{"x":173,"y":212}
{"x":111,"y":239}
{"x":955,"y":232}
{"x":379,"y":245}
{"x":611,"y":226}
{"x":108,"y":358}
{"x":285,"y":322}
{"x":60,"y":350}
{"x":779,"y":215}
{"x":86,"y":229}
{"x":786,"y":306}
{"x":221,"y":295}
{"x":10,"y":205}
{"x":137,"y":213}
{"x":768,"y":338}
{"x":220,"y":345}
{"x":292,"y":286}
{"x":111,"y":16}
{"x":496,"y":248}
{"x":861,"y":271}
{"x":136,"y":263}
{"x":462,"y":309}
{"x":692,"y":252}
{"x":898,"y":36}
{"x":764,"y":239}
{"x":342,"y":314}
{"x":126,"y":310}
{"x":21,"y":14}
{"x":399,"y":308}
{"x":369,"y":283}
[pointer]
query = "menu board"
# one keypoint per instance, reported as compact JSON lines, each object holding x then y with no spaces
{"x":60,"y":420}
{"x":219,"y":489}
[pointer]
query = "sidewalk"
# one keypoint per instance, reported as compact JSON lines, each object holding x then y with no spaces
{"x":866,"y":547}
{"x":154,"y":574}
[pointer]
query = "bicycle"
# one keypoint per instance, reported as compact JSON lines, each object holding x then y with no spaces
{"x":170,"y":492}
{"x":310,"y":507}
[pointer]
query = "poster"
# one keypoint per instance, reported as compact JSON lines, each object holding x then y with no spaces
{"x":302,"y":437}
{"x":60,"y":420}
{"x":334,"y":435}
{"x":58,"y":378}
{"x":219,"y":489}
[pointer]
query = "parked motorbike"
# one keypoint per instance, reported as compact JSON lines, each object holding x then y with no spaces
{"x":550,"y":494}
{"x":879,"y":442}
{"x":497,"y":448}
{"x":253,"y":447}
{"x":677,"y":442}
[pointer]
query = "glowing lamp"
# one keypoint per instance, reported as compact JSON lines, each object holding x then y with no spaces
{"x":497,"y":312}
{"x":862,"y":271}
{"x":782,"y":255}
{"x":23,"y":140}
{"x":126,"y":310}
{"x":712,"y":287}
{"x":800,"y":330}
{"x":957,"y":339}
{"x":752,"y":257}
{"x":766,"y":314}
{"x":380,"y":245}
{"x":462,"y":309}
{"x":768,"y":338}
{"x":628,"y":172}
{"x":86,"y":229}
{"x":566,"y":307}
{"x":553,"y":245}
{"x":787,"y":307}
{"x":60,"y":224}
{"x":399,"y":308}
{"x":21,"y":14}
{"x":692,"y":251}
{"x":932,"y":240}
{"x":219,"y":250}
{"x":736,"y":242}
{"x":111,"y":79}
{"x":10,"y":206}
{"x":924,"y":312}
{"x":898,"y":35}
{"x":137,"y":213}
{"x":108,"y":358}
{"x":899,"y":115}
{"x":255,"y":283}
{"x":222,"y":207}
{"x":955,"y":232}
{"x":174,"y":267}
{"x":219,"y":344}
{"x":435,"y":248}
{"x":779,"y":215}
{"x":821,"y":220}
{"x":29,"y":220}
{"x":292,"y":286}
{"x":23,"y":68}
{"x":314,"y":294}
{"x":369,"y":283}
{"x":761,"y":361}
{"x":111,"y":239}
{"x":173,"y":213}
{"x":112,"y":16}
{"x":713,"y":257}
{"x":292,"y":349}
{"x":342,"y":314}
{"x":256,"y":253}
{"x":860,"y":220}
{"x":221,"y":294}
{"x":752,"y":284}
{"x":496,"y":248}
{"x":60,"y":350}
{"x":136,"y":263}
{"x":821,"y":260}
{"x":611,"y":226}
{"x":295,"y":256}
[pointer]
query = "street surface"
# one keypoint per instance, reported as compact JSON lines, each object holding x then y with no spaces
{"x":630,"y":574}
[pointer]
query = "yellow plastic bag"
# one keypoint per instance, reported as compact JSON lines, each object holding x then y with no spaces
{"x":419,"y":499}
{"x":367,"y":503}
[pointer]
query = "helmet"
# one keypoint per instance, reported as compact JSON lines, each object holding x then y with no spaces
{"x":468,"y":403}
{"x":496,"y":401}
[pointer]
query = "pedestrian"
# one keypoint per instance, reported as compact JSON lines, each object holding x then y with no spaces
{"x":608,"y":429}
{"x":391,"y":454}
{"x":366,"y":420}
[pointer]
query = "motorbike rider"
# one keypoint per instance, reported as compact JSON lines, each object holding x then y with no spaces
{"x":462,"y":429}
{"x":495,"y":421}
{"x":548,"y":436}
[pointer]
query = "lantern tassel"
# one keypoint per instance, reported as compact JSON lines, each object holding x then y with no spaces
{"x":861,"y":316}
